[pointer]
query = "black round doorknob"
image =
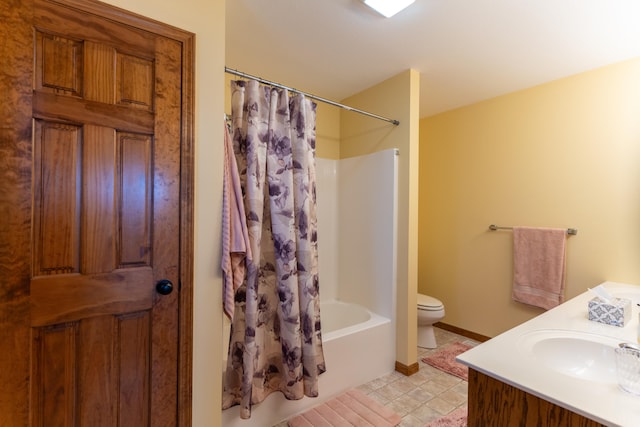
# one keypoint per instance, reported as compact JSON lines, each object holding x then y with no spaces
{"x":164,"y":287}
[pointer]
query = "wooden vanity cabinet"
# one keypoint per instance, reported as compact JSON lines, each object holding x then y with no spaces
{"x":493,"y":403}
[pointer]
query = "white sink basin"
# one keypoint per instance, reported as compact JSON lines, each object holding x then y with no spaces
{"x":589,"y":357}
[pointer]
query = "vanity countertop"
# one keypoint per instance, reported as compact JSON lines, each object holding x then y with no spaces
{"x":508,"y":358}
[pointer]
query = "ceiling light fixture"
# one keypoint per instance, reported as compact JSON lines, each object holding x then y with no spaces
{"x":388,"y":8}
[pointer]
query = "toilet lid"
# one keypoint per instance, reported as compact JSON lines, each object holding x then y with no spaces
{"x":428,"y":303}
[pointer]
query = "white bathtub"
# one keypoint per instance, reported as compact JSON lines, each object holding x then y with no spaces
{"x":358,"y":345}
{"x":341,"y":318}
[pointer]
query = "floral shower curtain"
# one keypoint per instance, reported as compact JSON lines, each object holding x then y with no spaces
{"x":275,"y":342}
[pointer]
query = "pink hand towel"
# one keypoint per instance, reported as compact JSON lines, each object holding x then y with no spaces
{"x":236,"y":250}
{"x":539,"y":266}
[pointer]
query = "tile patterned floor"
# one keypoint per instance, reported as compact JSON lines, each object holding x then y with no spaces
{"x":421,"y":397}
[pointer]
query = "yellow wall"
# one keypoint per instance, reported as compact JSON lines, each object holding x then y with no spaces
{"x":205,"y":18}
{"x":396,"y":98}
{"x":563,"y":154}
{"x":327,"y":131}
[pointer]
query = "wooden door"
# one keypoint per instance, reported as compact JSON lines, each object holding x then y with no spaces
{"x":96,"y":235}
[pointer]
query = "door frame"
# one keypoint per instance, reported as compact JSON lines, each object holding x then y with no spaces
{"x":187,"y":41}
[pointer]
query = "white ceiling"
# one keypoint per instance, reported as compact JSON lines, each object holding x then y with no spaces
{"x":465,"y":50}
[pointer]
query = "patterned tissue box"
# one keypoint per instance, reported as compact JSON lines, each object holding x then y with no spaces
{"x":617,"y":313}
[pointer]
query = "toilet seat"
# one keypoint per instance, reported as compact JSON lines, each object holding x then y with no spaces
{"x":428,"y":303}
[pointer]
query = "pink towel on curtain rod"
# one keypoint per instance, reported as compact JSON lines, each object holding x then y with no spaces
{"x":236,"y":250}
{"x":539,"y":266}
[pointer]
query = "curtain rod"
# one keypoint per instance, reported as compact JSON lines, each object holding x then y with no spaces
{"x":309,"y":95}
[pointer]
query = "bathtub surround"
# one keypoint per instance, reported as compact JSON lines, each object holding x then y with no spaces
{"x":366,"y":224}
{"x":275,"y":341}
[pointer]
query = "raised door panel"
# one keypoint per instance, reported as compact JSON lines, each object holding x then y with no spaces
{"x":135,"y":188}
{"x":134,"y":369}
{"x":57,"y":163}
{"x":134,"y":77}
{"x":54,"y":375}
{"x":59,"y":64}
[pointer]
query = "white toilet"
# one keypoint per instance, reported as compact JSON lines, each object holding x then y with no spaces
{"x":430,"y":311}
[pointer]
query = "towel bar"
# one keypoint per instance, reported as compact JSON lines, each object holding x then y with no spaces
{"x":493,"y":227}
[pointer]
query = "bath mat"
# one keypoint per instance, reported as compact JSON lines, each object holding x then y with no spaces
{"x":445,"y":360}
{"x":352,"y":408}
{"x":457,"y":418}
